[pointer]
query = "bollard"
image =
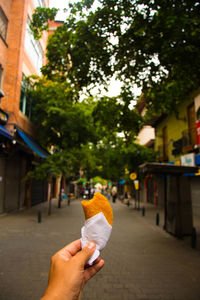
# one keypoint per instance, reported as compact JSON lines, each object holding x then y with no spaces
{"x":193,"y":238}
{"x":128,"y":203}
{"x":143,"y":211}
{"x":39,"y":216}
{"x":157,"y":219}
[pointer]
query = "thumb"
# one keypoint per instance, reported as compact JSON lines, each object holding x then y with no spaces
{"x":84,"y":255}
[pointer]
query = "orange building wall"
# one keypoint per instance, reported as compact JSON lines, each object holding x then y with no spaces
{"x":53,"y":25}
{"x":15,"y":60}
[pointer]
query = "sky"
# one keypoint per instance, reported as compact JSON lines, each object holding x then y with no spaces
{"x":114,"y":88}
{"x":61,"y":4}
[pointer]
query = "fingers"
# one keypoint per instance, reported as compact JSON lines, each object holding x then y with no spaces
{"x":91,"y":271}
{"x":84,"y":255}
{"x":74,"y":247}
{"x":71,"y":249}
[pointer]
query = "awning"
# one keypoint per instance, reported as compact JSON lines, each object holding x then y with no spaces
{"x":5,"y":132}
{"x":33,"y":145}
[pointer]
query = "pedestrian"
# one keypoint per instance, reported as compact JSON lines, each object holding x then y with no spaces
{"x":92,"y":192}
{"x":85,"y":196}
{"x":114,"y":193}
{"x":82,"y":191}
{"x":63,"y":195}
{"x":89,"y":193}
{"x":97,"y":190}
{"x":69,"y":271}
{"x":108,"y":193}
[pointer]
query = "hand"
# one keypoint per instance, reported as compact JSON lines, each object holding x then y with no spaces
{"x":69,"y":273}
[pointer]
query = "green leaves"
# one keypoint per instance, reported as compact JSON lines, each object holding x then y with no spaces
{"x":40,"y":19}
{"x":60,"y":120}
{"x":116,"y":156}
{"x":154,"y":44}
{"x":113,"y":116}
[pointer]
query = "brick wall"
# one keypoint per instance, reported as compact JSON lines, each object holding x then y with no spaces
{"x":15,"y":60}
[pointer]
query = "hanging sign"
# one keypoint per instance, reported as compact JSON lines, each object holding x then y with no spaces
{"x":133,"y":176}
{"x":197,"y":111}
{"x":136,"y":184}
{"x":188,"y":160}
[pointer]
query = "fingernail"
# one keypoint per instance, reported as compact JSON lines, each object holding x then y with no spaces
{"x":91,"y":245}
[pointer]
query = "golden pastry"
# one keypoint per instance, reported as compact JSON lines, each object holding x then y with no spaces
{"x":98,"y":204}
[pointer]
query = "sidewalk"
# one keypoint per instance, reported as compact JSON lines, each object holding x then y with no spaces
{"x":142,"y":261}
{"x":150,"y":214}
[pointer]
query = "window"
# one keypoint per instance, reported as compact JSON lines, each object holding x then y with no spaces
{"x":1,"y":75}
{"x":40,"y":3}
{"x":192,"y":124}
{"x":33,"y":48}
{"x":3,"y":24}
{"x":25,"y":101}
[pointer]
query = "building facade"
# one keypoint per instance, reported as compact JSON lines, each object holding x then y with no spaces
{"x":177,"y":142}
{"x":146,"y":136}
{"x":20,"y":56}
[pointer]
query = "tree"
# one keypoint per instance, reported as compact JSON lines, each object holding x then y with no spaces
{"x":64,"y":126}
{"x":116,"y":156}
{"x":152,"y":43}
{"x":87,"y":51}
{"x":61,"y":120}
{"x":112,"y":115}
{"x":84,"y":135}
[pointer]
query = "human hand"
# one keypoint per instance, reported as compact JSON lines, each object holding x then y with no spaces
{"x":69,"y":273}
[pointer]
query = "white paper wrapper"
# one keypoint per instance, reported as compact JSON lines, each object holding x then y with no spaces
{"x":98,"y":230}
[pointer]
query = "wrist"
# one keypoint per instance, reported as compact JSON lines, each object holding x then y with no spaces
{"x":51,"y":294}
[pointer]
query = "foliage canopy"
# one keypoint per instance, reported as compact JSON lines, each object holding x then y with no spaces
{"x":154,"y":44}
{"x":84,"y":135}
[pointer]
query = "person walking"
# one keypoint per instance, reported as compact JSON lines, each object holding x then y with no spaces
{"x":114,"y":194}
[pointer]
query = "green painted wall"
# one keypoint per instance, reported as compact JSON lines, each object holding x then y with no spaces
{"x":174,"y":129}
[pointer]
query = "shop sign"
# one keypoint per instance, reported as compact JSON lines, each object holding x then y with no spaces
{"x":177,"y":162}
{"x":198,"y":174}
{"x":198,"y":131}
{"x":197,"y":160}
{"x":133,"y":176}
{"x":188,"y":160}
{"x":136,"y":184}
{"x":126,"y":171}
{"x":197,"y":110}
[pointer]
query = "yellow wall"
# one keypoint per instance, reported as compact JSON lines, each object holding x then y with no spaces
{"x":174,"y":128}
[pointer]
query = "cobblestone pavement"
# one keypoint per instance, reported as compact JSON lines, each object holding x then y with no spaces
{"x":142,"y":262}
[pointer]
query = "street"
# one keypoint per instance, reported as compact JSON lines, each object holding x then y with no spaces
{"x":142,"y":261}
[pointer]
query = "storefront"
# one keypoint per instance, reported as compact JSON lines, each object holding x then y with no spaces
{"x":18,"y":154}
{"x":178,"y":213}
{"x":193,"y":160}
{"x":5,"y":141}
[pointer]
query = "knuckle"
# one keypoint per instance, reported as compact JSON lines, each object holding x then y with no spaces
{"x":53,"y":258}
